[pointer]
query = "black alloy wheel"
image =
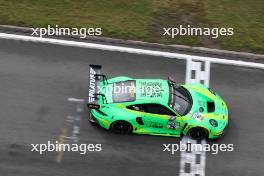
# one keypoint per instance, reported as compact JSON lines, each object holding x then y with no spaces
{"x":121,"y":127}
{"x":198,"y":133}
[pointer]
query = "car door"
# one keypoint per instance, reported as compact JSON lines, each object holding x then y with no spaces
{"x":161,"y":120}
{"x":157,"y":119}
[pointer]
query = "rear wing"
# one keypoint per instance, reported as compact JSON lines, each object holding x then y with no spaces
{"x":94,"y":87}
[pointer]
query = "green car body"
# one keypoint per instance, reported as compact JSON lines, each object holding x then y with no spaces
{"x":156,"y":106}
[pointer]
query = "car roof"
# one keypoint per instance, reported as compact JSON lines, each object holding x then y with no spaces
{"x":152,"y":91}
{"x":145,"y":91}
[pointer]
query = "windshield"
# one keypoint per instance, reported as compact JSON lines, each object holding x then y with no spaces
{"x":180,"y":99}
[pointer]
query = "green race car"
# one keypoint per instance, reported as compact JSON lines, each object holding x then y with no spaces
{"x":155,"y":106}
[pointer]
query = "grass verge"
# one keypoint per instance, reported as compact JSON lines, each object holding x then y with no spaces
{"x":144,"y":19}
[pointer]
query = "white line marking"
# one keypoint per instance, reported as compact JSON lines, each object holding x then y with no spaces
{"x":199,"y":74}
{"x":130,"y":50}
{"x":76,"y":119}
{"x":69,"y":137}
{"x":190,"y":158}
{"x":70,"y":119}
{"x":75,"y":100}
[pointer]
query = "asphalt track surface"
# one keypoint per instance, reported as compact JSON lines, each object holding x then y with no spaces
{"x":36,"y":80}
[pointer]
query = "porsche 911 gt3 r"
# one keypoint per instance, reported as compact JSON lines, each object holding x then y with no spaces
{"x":155,"y":106}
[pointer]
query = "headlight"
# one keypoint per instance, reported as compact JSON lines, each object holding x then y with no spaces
{"x":213,"y":122}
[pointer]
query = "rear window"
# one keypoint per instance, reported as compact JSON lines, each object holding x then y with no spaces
{"x":124,"y":91}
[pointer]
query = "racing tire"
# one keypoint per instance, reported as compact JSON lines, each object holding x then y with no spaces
{"x":198,"y":133}
{"x":121,"y":127}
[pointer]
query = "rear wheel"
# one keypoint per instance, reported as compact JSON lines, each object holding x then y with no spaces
{"x":198,"y":133}
{"x":121,"y":127}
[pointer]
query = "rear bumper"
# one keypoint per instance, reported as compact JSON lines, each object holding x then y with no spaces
{"x":100,"y":119}
{"x":92,"y":119}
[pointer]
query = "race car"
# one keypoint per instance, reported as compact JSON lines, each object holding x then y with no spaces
{"x":155,"y":106}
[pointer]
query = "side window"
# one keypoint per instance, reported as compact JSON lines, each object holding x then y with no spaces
{"x":157,"y":109}
{"x":152,"y":108}
{"x":136,"y":107}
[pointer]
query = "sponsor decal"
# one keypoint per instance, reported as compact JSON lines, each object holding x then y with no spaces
{"x":198,"y":116}
{"x":92,"y":86}
{"x":172,"y":124}
{"x":155,"y":125}
{"x":151,"y":89}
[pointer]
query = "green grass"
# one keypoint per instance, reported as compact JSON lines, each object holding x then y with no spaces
{"x":144,"y":19}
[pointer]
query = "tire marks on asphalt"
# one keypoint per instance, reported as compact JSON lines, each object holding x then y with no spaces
{"x":72,"y":127}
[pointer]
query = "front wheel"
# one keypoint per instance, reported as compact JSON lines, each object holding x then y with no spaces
{"x":198,"y":133}
{"x":121,"y":127}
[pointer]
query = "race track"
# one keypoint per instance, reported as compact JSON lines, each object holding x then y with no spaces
{"x":36,"y":80}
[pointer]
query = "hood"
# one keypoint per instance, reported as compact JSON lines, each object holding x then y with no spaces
{"x":206,"y":101}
